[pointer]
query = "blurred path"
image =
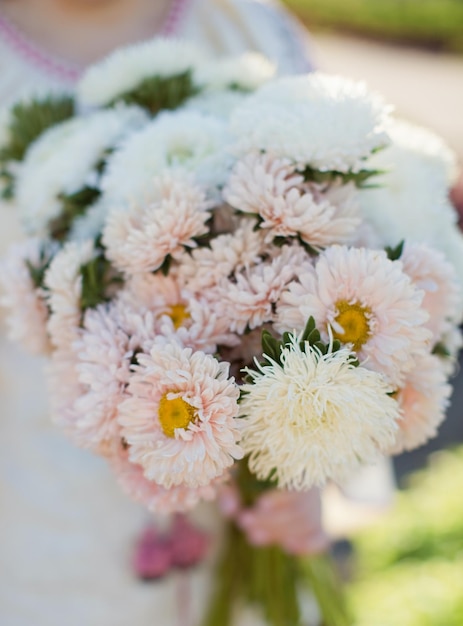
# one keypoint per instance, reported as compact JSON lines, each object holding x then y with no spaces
{"x":425,"y":87}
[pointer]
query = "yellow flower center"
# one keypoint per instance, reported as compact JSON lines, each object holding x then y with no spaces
{"x":174,"y":414}
{"x":178,"y":314}
{"x":353,"y":319}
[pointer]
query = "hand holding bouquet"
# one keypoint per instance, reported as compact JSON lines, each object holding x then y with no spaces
{"x":237,"y":278}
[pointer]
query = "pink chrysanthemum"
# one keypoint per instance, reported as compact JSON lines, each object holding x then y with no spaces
{"x":27,"y":312}
{"x":248,"y":298}
{"x":140,"y":238}
{"x":191,"y":319}
{"x":367,"y":302}
{"x":272,"y":189}
{"x":179,"y":416}
{"x":227,"y":254}
{"x":64,"y":389}
{"x":64,"y":283}
{"x":111,"y":337}
{"x":154,"y":497}
{"x":423,"y":400}
{"x":431,"y":272}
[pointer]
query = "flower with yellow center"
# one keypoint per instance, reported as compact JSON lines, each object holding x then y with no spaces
{"x":352,"y":323}
{"x":175,"y":413}
{"x":179,"y":416}
{"x":367,"y":302}
{"x":178,"y":314}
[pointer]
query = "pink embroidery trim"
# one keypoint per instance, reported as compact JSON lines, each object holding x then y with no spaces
{"x":34,"y":55}
{"x":67,"y":71}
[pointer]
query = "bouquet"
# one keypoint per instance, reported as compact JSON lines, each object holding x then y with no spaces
{"x":237,"y":278}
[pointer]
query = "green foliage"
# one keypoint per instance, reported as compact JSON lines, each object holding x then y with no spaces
{"x":98,"y":276}
{"x":434,"y":24}
{"x":157,"y":93}
{"x":411,"y":564}
{"x":360,"y":178}
{"x":395,"y":253}
{"x":272,"y":347}
{"x":37,"y":272}
{"x":73,"y":205}
{"x":28,"y":120}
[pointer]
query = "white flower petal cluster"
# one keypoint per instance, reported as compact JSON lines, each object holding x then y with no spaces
{"x":326,"y":122}
{"x":140,"y":237}
{"x":63,"y":160}
{"x":273,"y":190}
{"x":217,"y":103}
{"x":183,"y":141}
{"x":246,"y":72}
{"x":314,"y":417}
{"x":410,"y":199}
{"x":125,"y":69}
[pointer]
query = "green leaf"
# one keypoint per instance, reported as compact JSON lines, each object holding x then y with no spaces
{"x":309,"y":327}
{"x":28,"y":120}
{"x":359,"y":178}
{"x":157,"y":93}
{"x":395,"y":253}
{"x":440,"y":349}
{"x":37,"y":272}
{"x":73,"y":205}
{"x":97,"y":277}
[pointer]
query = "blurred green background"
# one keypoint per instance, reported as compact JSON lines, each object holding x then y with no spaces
{"x":409,"y":568}
{"x":433,"y":24}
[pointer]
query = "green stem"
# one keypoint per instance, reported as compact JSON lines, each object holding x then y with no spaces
{"x":321,"y":574}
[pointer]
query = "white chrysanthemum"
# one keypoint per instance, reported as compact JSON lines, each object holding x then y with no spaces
{"x":423,"y":400}
{"x":64,"y":283}
{"x":314,"y":417}
{"x":248,"y":298}
{"x":367,"y":301}
{"x":327,"y":122}
{"x":410,"y":200}
{"x":126,"y":68}
{"x":247,"y":72}
{"x":194,"y":320}
{"x":217,"y":103}
{"x":63,"y":161}
{"x":228,"y":253}
{"x":274,"y":190}
{"x":431,"y":272}
{"x":184,"y":141}
{"x":140,"y":237}
{"x":429,"y":147}
{"x":180,"y":417}
{"x":26,"y":306}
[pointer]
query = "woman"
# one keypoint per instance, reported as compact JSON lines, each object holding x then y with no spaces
{"x":67,"y":531}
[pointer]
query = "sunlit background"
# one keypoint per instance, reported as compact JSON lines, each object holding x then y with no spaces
{"x":407,"y":570}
